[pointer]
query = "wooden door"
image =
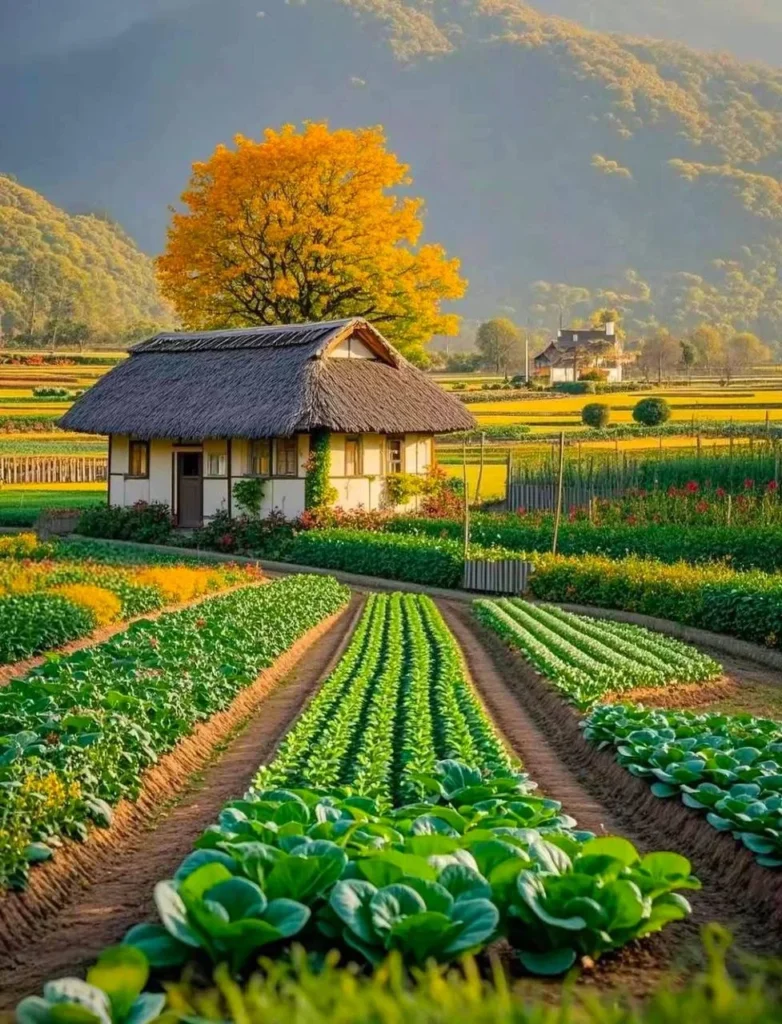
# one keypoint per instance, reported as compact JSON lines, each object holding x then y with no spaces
{"x":190,"y":490}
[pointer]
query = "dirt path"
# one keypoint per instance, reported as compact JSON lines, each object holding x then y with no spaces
{"x":603,"y":796}
{"x":118,"y":892}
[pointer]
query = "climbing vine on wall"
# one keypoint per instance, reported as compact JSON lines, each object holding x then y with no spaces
{"x":318,"y":493}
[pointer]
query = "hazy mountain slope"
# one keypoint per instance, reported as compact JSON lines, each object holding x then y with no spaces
{"x":643,"y":171}
{"x":81,"y":269}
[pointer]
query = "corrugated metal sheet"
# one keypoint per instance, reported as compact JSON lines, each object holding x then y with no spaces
{"x":507,"y":576}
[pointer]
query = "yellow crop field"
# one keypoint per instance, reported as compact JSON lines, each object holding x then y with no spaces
{"x":492,"y":481}
{"x":741,"y":406}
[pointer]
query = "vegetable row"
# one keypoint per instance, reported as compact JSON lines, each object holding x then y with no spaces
{"x":424,"y":856}
{"x":46,"y":603}
{"x":77,"y":732}
{"x":727,"y":766}
{"x":590,"y":658}
{"x":397,"y":702}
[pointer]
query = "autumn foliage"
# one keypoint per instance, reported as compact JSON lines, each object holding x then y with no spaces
{"x":305,"y":225}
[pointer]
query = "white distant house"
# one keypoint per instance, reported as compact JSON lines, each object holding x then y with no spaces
{"x":578,"y":350}
{"x":188,"y":415}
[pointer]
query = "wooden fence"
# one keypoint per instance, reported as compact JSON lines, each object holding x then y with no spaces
{"x":53,"y":469}
{"x":508,"y":576}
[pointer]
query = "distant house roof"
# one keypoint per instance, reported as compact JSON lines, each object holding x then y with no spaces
{"x":265,"y":382}
{"x":575,"y":338}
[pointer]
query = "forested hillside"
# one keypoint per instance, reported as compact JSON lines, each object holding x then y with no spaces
{"x":613,"y":168}
{"x":70,"y":279}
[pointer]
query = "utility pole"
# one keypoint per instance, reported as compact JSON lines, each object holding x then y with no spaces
{"x":559,"y":491}
{"x":466,"y":503}
{"x":526,"y":355}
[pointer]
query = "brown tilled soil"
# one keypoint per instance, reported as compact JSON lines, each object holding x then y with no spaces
{"x":604,"y":797}
{"x":745,"y":687}
{"x":88,"y":896}
{"x":20,"y":668}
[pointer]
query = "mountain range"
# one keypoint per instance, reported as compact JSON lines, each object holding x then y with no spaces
{"x":566,"y":156}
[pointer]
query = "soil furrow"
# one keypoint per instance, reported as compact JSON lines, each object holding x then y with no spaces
{"x":603,"y":796}
{"x":90,"y":894}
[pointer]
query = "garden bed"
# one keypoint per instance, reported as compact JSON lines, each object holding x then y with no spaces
{"x":91,"y":893}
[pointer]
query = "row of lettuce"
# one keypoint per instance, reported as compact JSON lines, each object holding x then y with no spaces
{"x":590,"y":660}
{"x":366,"y":835}
{"x":48,"y":599}
{"x":77,"y":732}
{"x":728,"y":767}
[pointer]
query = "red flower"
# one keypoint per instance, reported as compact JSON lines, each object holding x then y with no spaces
{"x":672,"y":492}
{"x":772,"y":486}
{"x":702,"y":506}
{"x":720,"y":493}
{"x":748,"y":484}
{"x":692,"y":487}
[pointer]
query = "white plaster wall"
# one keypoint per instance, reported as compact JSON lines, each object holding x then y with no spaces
{"x":135,"y":490}
{"x":117,"y":489}
{"x":119,"y":453}
{"x":215,"y":495}
{"x":160,"y":455}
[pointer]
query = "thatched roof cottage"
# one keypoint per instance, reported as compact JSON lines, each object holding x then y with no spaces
{"x":189,"y":414}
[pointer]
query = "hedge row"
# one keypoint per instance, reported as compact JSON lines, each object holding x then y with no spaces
{"x":758,"y":547}
{"x":430,"y":561}
{"x":746,"y":605}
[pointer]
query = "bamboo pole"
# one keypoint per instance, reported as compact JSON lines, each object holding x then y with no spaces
{"x":480,"y":469}
{"x":466,"y":503}
{"x":560,"y":475}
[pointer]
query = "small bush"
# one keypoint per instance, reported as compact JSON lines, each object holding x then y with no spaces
{"x":148,"y":523}
{"x":596,"y":414}
{"x":651,"y":412}
{"x":577,"y":387}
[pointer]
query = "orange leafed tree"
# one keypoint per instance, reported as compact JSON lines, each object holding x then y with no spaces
{"x":302,"y":226}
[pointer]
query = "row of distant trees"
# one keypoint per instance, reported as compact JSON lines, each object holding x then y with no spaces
{"x":706,"y":349}
{"x":500,"y":347}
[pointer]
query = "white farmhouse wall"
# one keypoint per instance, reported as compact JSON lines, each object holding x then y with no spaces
{"x":160,"y":471}
{"x":282,"y":494}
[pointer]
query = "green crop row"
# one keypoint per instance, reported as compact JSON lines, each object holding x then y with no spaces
{"x":747,"y":605}
{"x":77,"y":733}
{"x":468,"y":857}
{"x":587,"y":658}
{"x":44,"y":604}
{"x":299,"y":992}
{"x":401,"y":667}
{"x":730,"y":767}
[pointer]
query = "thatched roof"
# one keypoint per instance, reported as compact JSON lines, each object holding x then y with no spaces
{"x":265,"y":382}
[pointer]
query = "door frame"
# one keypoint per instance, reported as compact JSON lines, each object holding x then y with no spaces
{"x":178,"y":453}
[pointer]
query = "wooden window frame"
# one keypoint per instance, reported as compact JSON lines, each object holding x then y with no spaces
{"x":257,"y":443}
{"x":283,"y":449}
{"x":140,"y":445}
{"x":358,"y":465}
{"x":400,"y":438}
{"x":220,"y":456}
